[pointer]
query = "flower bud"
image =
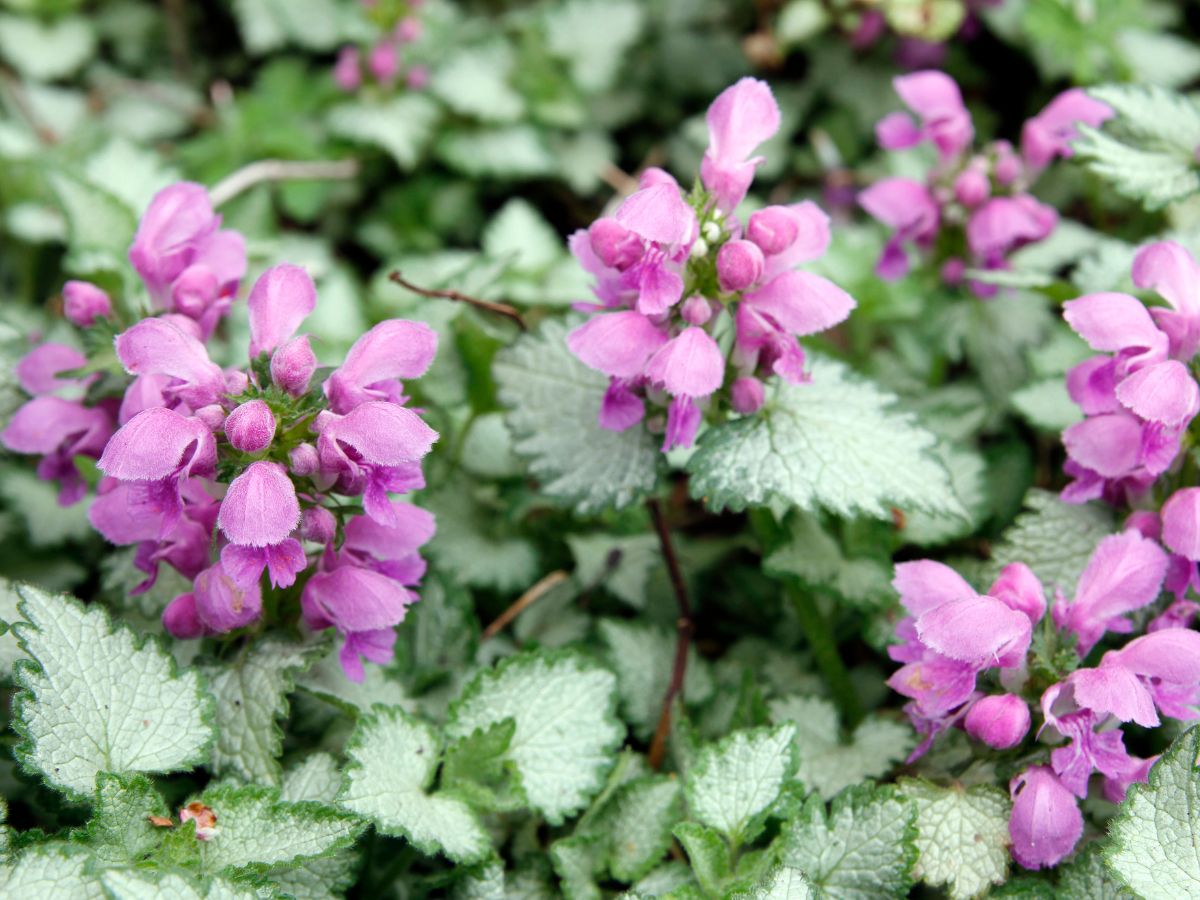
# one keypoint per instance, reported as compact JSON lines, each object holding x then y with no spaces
{"x":971,"y":188}
{"x":384,"y":62}
{"x":409,"y":29}
{"x":739,"y":265}
{"x":293,"y":364}
{"x":417,"y":78}
{"x":251,"y":427}
{"x":180,"y":619}
{"x":1000,"y":721}
{"x":347,"y":72}
{"x":618,"y":247}
{"x":1019,"y":589}
{"x":213,"y":416}
{"x":84,"y":303}
{"x":236,"y":381}
{"x":221,"y":604}
{"x":953,"y":271}
{"x":747,"y":395}
{"x":773,"y":229}
{"x":318,"y":525}
{"x":194,"y":291}
{"x":1008,"y":165}
{"x":696,"y":310}
{"x":303,"y":460}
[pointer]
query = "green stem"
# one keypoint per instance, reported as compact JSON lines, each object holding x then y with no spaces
{"x":825,"y":653}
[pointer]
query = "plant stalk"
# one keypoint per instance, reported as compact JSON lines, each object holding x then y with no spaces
{"x":683,"y":634}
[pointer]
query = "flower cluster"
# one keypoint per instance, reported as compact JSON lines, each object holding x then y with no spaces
{"x":674,"y":272}
{"x":225,"y":474}
{"x":974,"y":208}
{"x":953,"y":635}
{"x":384,"y":62}
{"x":1139,"y":395}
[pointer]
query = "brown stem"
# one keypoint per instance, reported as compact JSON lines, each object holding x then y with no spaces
{"x":502,"y":309}
{"x":527,"y":599}
{"x":16,"y":92}
{"x":683,"y":634}
{"x":177,"y":38}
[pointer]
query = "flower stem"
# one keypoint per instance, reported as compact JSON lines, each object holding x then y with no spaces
{"x":820,"y":638}
{"x":683,"y":634}
{"x":502,"y":309}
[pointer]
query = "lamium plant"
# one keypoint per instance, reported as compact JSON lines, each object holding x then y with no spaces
{"x":599,"y":449}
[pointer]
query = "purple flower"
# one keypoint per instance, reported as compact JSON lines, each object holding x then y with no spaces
{"x":160,"y":347}
{"x":391,"y":549}
{"x":364,"y":606}
{"x":251,"y":427}
{"x":1124,"y":573}
{"x":742,"y":117}
{"x":392,"y":350}
{"x":347,"y":71}
{"x":38,"y":370}
{"x":938,"y":104}
{"x":910,"y":210}
{"x":293,"y":364}
{"x":258,"y":515}
{"x":179,"y":233}
{"x":84,"y":303}
{"x":1049,"y":134}
{"x":59,"y":430}
{"x":1045,"y":823}
{"x":280,"y":300}
{"x":1001,"y":721}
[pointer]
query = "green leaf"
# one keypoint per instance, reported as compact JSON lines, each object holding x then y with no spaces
{"x":520,"y":235}
{"x":638,"y":820}
{"x":51,"y":870}
{"x":514,"y":151}
{"x":123,"y":884}
{"x":97,"y":222}
{"x":36,"y":501}
{"x":1045,"y":404}
{"x":577,"y":860}
{"x":1053,"y":538}
{"x":401,"y":126}
{"x":622,"y":565}
{"x":863,"y":848}
{"x":120,"y":831}
{"x":1086,"y":877}
{"x":475,"y":767}
{"x":1159,"y":57}
{"x":553,"y":402}
{"x":469,"y":551}
{"x":317,"y":778}
{"x":781,"y":883}
{"x":732,"y":785}
{"x":98,"y":700}
{"x":962,"y":836}
{"x":593,"y":37}
{"x":643,"y":655}
{"x":814,"y":556}
{"x":708,"y":854}
{"x":10,"y":650}
{"x":393,"y":758}
{"x":968,"y":479}
{"x":268,"y":25}
{"x":46,"y":51}
{"x":566,"y":731}
{"x":131,"y":173}
{"x":325,"y":679}
{"x":1152,"y":840}
{"x":257,"y":830}
{"x":1147,"y":153}
{"x":251,"y":694}
{"x":833,"y":443}
{"x":475,"y":82}
{"x":827,"y":765}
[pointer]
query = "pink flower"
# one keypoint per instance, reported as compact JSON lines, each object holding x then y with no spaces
{"x":391,"y":550}
{"x":1124,"y":573}
{"x":59,"y":430}
{"x":907,"y":207}
{"x":1049,"y":134}
{"x":84,"y":303}
{"x":280,"y":300}
{"x":258,"y":515}
{"x":688,"y":365}
{"x":38,"y":370}
{"x":392,"y":350}
{"x":938,"y":104}
{"x":742,"y":117}
{"x":1045,"y":823}
{"x":1000,"y":722}
{"x":347,"y":71}
{"x":161,"y":347}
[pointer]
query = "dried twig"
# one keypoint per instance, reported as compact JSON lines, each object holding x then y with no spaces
{"x":281,"y":170}
{"x":683,"y":634}
{"x":502,"y":309}
{"x":526,"y":600}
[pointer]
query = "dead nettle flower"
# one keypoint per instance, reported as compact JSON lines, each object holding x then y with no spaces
{"x":227,"y":474}
{"x":981,"y":200}
{"x":400,"y":26}
{"x":674,"y":271}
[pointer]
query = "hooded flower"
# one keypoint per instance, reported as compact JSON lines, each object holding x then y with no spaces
{"x":1045,"y":824}
{"x":1049,"y":134}
{"x":910,"y":210}
{"x":742,"y":117}
{"x":392,"y":350}
{"x":938,"y":104}
{"x":280,"y":300}
{"x":59,"y":430}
